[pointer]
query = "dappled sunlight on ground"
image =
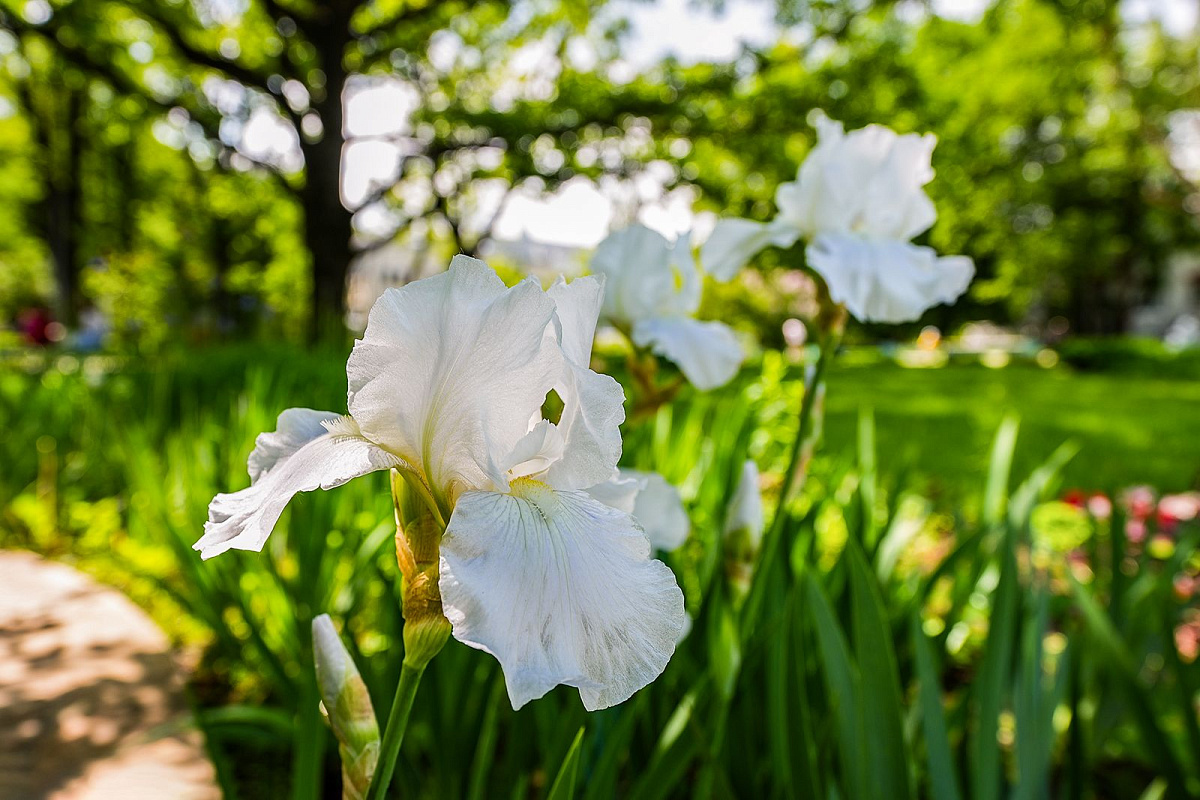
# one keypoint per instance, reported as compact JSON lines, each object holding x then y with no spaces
{"x":91,"y":702}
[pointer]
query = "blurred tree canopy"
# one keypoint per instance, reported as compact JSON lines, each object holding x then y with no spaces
{"x":128,"y":182}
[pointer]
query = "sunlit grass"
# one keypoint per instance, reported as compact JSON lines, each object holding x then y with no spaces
{"x":940,"y":422}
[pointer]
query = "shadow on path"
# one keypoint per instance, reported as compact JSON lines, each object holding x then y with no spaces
{"x":91,"y":702}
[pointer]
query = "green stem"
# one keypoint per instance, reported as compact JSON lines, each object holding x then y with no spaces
{"x":812,"y":390}
{"x":393,"y":734}
{"x":791,"y":482}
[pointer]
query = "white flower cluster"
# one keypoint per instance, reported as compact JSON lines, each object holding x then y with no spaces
{"x":857,"y":202}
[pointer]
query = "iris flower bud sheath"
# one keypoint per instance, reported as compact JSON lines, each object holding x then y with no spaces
{"x":348,"y":708}
{"x":418,"y":534}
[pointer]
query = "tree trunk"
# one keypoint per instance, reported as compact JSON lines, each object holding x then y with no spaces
{"x":327,"y":226}
{"x":62,"y":210}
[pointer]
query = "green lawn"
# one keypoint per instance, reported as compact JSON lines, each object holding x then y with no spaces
{"x":940,"y":422}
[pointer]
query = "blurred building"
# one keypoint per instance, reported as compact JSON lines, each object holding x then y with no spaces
{"x":546,"y":261}
{"x":1174,"y":316}
{"x":405,"y":260}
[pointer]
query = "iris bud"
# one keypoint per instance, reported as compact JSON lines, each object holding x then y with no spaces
{"x":348,"y":708}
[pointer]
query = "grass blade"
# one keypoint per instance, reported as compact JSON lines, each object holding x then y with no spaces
{"x":843,"y":681}
{"x":943,"y":782}
{"x":1117,"y":657}
{"x":564,"y":785}
{"x":880,"y":677}
{"x":996,"y":492}
{"x":992,"y":684}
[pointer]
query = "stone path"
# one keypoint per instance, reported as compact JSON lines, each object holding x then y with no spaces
{"x":91,"y":704}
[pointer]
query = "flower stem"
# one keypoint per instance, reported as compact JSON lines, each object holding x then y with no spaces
{"x":833,"y":322}
{"x":393,"y":734}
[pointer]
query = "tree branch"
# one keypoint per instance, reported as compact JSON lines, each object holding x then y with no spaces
{"x":277,"y":12}
{"x":197,"y":55}
{"x":411,"y":15}
{"x":231,"y":68}
{"x":105,"y":70}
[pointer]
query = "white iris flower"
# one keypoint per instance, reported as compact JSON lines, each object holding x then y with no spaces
{"x":857,"y":201}
{"x":653,"y":292}
{"x":447,"y":384}
{"x":652,"y":501}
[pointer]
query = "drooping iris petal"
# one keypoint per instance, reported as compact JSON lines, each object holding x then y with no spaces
{"x":887,"y":281}
{"x":868,"y":181}
{"x":659,"y":509}
{"x":653,"y":502}
{"x":451,"y":369}
{"x":561,"y":589}
{"x":734,"y":241}
{"x":708,"y":353}
{"x":646,"y":276}
{"x":593,"y":404}
{"x":308,"y":450}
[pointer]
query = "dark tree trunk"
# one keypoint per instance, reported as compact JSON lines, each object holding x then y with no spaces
{"x":327,"y":225}
{"x":62,"y":211}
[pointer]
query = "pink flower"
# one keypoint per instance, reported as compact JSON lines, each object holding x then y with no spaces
{"x":1187,"y":640}
{"x":1099,"y":506}
{"x":1140,"y":501}
{"x":1176,"y":508}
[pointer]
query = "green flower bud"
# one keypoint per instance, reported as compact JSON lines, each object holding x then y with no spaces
{"x":347,"y":707}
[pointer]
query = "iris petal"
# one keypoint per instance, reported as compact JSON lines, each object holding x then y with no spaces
{"x":451,"y":369}
{"x":308,"y":450}
{"x":561,"y":589}
{"x":708,"y":353}
{"x":887,"y":281}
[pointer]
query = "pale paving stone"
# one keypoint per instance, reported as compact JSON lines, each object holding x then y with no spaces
{"x":91,"y":703}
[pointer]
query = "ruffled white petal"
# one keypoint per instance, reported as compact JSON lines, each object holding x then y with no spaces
{"x":451,"y":369}
{"x":887,"y":281}
{"x":593,"y":404}
{"x":658,"y":508}
{"x":561,"y":589}
{"x":868,"y":181}
{"x":536,"y":451}
{"x":646,"y":276}
{"x":294,"y":428}
{"x":733,"y":242}
{"x":577,"y":306}
{"x":309,"y":450}
{"x":593,"y":410}
{"x":708,"y":353}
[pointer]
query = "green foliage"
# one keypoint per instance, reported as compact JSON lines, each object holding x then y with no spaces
{"x":979,"y":664}
{"x":1051,"y":119}
{"x":1130,"y":356}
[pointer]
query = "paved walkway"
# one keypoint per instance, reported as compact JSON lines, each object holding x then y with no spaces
{"x":91,"y":706}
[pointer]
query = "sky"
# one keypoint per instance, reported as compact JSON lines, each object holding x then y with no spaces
{"x":580,"y":213}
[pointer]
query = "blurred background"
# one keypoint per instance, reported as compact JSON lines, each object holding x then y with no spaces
{"x":201,"y":199}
